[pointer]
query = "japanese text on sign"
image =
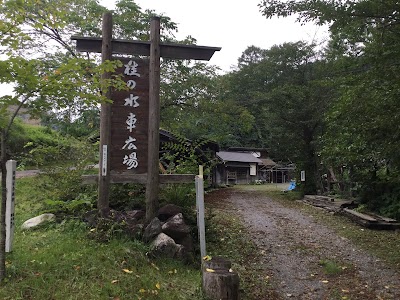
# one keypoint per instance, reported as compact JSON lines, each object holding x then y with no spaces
{"x":130,"y":160}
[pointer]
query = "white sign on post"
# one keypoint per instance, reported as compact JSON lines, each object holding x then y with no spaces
{"x":303,"y":176}
{"x":104,"y":161}
{"x":11,"y":166}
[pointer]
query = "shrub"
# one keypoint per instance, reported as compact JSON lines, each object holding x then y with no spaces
{"x":183,"y":195}
{"x":127,"y":196}
{"x":38,"y":146}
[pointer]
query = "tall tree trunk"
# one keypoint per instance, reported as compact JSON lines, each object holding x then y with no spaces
{"x":3,"y":160}
{"x":310,"y":164}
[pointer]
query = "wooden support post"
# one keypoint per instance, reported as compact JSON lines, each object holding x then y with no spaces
{"x":105,"y":122}
{"x":152,"y":186}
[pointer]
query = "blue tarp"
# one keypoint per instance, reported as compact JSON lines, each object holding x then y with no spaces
{"x":292,"y":186}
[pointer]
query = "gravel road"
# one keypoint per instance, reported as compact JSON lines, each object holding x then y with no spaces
{"x":293,"y":248}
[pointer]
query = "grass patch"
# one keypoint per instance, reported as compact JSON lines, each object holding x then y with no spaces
{"x":58,"y":261}
{"x":330,"y":267}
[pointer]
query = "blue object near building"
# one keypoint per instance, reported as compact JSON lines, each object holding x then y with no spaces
{"x":292,"y":185}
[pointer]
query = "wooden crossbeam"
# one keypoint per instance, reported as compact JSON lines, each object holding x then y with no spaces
{"x":141,"y":178}
{"x":134,"y":47}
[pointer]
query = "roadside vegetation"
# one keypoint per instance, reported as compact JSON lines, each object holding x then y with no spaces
{"x":60,"y":261}
{"x":64,"y":260}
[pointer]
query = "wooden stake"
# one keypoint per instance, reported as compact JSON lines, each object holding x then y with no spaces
{"x":199,"y":182}
{"x":105,"y":122}
{"x":3,"y":160}
{"x":152,"y":186}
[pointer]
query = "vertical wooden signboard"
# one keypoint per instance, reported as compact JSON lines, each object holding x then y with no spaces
{"x":129,"y":120}
{"x":129,"y":129}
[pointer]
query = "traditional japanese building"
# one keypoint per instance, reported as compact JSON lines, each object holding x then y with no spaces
{"x":237,"y":167}
{"x":240,"y":165}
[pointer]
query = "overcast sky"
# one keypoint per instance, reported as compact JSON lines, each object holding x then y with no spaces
{"x":232,"y":25}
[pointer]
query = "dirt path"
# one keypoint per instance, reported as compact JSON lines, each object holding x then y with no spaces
{"x":27,"y":173}
{"x":294,"y":249}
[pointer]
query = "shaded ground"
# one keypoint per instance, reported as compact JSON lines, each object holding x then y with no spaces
{"x":304,"y":259}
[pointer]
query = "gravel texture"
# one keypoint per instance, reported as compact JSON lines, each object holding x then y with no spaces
{"x":293,"y":248}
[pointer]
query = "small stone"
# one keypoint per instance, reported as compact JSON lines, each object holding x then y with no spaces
{"x":164,"y":246}
{"x":39,"y":220}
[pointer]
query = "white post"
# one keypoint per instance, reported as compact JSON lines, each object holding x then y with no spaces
{"x":10,"y":204}
{"x":200,"y":211}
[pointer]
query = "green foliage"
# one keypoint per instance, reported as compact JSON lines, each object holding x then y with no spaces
{"x":38,"y":146}
{"x":86,"y":125}
{"x":62,"y":188}
{"x":182,"y":156}
{"x":72,"y":207}
{"x":127,"y":196}
{"x":183,"y":195}
{"x":362,"y":53}
{"x":330,"y":267}
{"x":107,"y":229}
{"x":61,"y":256}
{"x":284,"y":89}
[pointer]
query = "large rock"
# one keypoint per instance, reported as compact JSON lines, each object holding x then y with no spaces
{"x":176,"y":227}
{"x":152,"y":230}
{"x":39,"y":220}
{"x":164,"y":246}
{"x":168,"y":211}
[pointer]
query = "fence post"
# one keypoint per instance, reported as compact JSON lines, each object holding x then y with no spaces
{"x":200,"y":211}
{"x":11,"y":166}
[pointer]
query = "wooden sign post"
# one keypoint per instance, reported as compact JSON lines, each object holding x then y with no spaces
{"x":154,"y":49}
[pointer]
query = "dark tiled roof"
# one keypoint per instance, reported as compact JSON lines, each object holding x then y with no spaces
{"x":238,"y":157}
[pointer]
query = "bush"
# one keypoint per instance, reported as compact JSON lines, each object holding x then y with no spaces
{"x":63,"y":190}
{"x":183,"y":195}
{"x":127,"y":196}
{"x":382,"y":195}
{"x":38,"y":146}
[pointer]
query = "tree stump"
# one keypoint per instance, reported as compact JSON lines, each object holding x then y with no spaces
{"x":219,"y":281}
{"x":217,"y":262}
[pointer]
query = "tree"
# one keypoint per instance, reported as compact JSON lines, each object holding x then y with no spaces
{"x":287,"y":96}
{"x":192,"y":107}
{"x":251,"y":55}
{"x":364,"y":49}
